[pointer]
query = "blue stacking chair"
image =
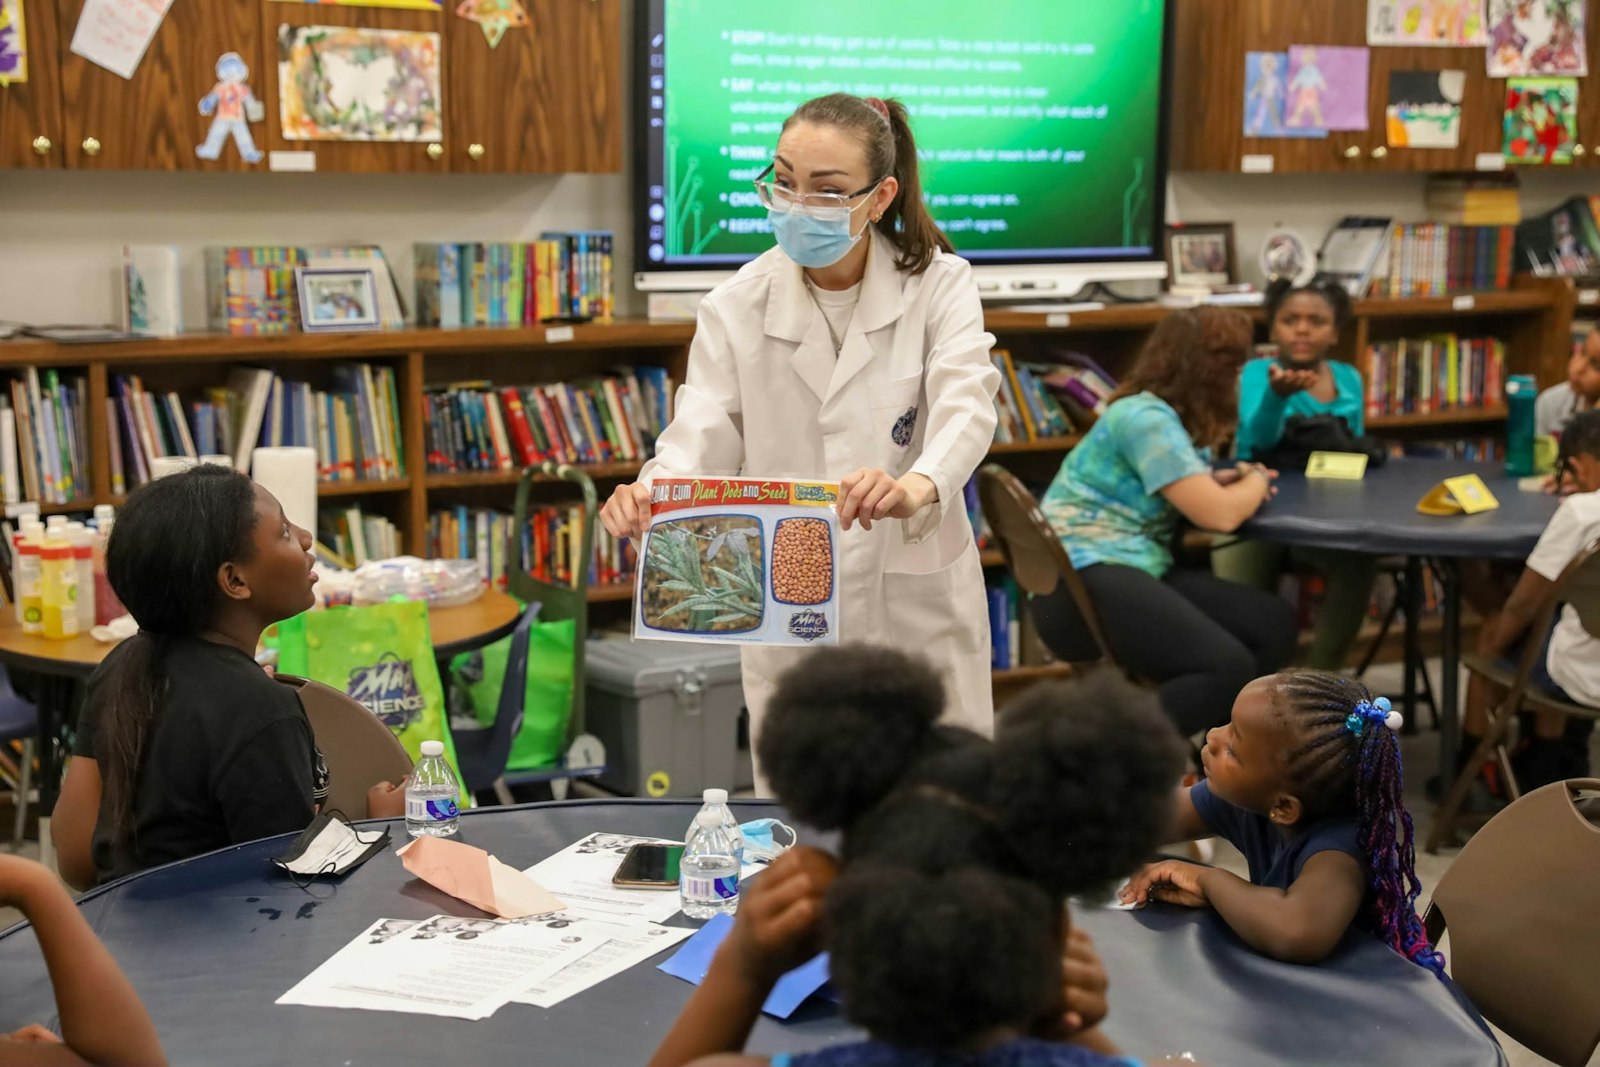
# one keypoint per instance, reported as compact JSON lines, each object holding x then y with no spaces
{"x":19,"y":721}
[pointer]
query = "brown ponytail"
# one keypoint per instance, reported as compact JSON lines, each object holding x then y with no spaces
{"x":886,"y":136}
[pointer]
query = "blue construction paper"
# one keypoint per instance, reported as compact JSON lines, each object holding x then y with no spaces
{"x":693,"y":960}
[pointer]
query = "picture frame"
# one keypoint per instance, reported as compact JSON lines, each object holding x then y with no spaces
{"x":333,"y":299}
{"x":1200,"y":255}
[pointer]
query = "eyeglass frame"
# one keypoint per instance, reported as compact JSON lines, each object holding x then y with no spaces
{"x":843,"y":201}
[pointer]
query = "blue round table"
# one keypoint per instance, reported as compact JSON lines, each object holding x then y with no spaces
{"x":210,"y":943}
{"x":1378,"y":515}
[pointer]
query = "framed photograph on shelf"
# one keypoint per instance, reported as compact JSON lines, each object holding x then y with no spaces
{"x":1200,"y":255}
{"x":337,"y":299}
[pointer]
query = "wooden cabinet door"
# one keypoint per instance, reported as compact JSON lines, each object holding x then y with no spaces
{"x":548,"y":98}
{"x":361,"y":156}
{"x":30,"y":111}
{"x":152,"y":121}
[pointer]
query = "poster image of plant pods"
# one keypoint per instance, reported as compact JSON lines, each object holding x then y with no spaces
{"x":704,"y":575}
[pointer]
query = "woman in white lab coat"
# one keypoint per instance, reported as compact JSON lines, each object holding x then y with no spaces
{"x":855,"y":351}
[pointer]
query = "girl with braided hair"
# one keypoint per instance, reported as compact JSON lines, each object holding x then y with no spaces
{"x":1306,"y":782}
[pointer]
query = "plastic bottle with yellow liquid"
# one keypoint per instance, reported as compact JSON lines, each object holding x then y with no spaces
{"x":30,"y":601}
{"x":59,"y":581}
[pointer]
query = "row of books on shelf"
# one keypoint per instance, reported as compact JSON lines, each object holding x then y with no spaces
{"x":44,"y":439}
{"x":357,"y":537}
{"x":1013,"y":638}
{"x":354,"y":427}
{"x":550,"y":546}
{"x":1433,"y":258}
{"x":472,"y":426}
{"x":1038,"y":401}
{"x":1422,"y":375}
{"x":561,"y":275}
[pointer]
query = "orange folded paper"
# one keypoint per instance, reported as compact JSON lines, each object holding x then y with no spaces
{"x":472,"y":875}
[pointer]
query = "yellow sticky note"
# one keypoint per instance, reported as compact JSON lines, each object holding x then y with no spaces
{"x":1454,"y":496}
{"x":1345,"y":466}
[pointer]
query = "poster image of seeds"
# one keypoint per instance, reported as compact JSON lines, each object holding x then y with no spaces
{"x":802,"y":562}
{"x":704,"y":575}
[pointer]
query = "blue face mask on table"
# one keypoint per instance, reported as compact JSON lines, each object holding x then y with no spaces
{"x":760,"y":840}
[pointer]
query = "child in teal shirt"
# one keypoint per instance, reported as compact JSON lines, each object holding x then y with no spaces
{"x":1305,"y":325}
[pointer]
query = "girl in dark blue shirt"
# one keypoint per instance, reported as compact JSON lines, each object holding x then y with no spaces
{"x":1306,"y":782}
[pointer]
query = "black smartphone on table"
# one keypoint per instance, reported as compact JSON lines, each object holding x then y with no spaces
{"x":650,"y":866}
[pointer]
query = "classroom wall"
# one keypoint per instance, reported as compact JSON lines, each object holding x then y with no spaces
{"x":61,"y":233}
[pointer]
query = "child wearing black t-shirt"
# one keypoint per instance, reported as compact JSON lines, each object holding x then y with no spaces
{"x":186,"y":745}
{"x":1305,"y":781}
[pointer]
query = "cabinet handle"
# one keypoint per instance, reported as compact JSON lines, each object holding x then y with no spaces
{"x":475,"y":151}
{"x":91,"y":146}
{"x":41,"y":145}
{"x":1353,"y":152}
{"x":1579,"y":150}
{"x":1380,"y":152}
{"x":436,"y":151}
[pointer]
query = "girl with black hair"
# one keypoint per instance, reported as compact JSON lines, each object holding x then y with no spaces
{"x":185,"y":744}
{"x":855,"y":352}
{"x":1303,"y":382}
{"x":945,"y":914}
{"x":1306,"y":781}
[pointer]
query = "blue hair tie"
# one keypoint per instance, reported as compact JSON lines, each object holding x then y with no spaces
{"x":1377,"y":712}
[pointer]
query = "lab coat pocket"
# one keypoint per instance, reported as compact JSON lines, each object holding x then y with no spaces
{"x":940,"y":612}
{"x":896,"y":409}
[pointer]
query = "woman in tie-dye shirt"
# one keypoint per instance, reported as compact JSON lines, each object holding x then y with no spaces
{"x":1116,"y":504}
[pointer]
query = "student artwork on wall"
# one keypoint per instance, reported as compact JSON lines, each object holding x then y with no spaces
{"x":1536,"y":37}
{"x":114,"y":34}
{"x":232,"y":107}
{"x":1327,"y":88}
{"x":1266,"y":86}
{"x":13,"y":43}
{"x":1541,"y":120}
{"x":1425,"y":108}
{"x":494,"y":17}
{"x":338,"y":83}
{"x":413,"y":5}
{"x":1428,"y":23}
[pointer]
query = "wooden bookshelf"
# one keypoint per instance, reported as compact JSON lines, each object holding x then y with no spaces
{"x":1533,"y":318}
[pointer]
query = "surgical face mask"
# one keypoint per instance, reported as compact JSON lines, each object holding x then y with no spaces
{"x":814,"y":236}
{"x":761,"y":844}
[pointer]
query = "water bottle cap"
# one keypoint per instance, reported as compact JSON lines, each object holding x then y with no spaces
{"x":714,"y":796}
{"x":433,"y":748}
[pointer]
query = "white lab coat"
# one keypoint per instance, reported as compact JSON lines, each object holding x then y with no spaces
{"x":766,"y":397}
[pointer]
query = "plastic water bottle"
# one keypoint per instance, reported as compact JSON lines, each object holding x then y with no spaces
{"x":708,"y":879}
{"x":431,"y":809}
{"x":1522,"y":393}
{"x":718,"y":799}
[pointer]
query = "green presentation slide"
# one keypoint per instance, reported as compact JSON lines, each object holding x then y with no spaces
{"x":1037,"y":121}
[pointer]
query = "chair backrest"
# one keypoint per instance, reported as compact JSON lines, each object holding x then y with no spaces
{"x":481,"y":765}
{"x":1522,"y":906}
{"x":1580,"y":583}
{"x":1032,"y":549}
{"x":359,"y":749}
{"x":560,"y":602}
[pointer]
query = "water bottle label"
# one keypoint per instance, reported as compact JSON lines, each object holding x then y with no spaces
{"x":431,"y":809}
{"x":698,"y":888}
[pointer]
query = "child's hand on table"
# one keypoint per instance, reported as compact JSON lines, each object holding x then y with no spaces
{"x":1170,"y":882}
{"x":778,"y":924}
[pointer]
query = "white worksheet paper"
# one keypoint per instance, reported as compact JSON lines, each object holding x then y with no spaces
{"x":114,"y":34}
{"x":614,"y":948}
{"x":449,"y":966}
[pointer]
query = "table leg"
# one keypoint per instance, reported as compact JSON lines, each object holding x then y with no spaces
{"x":1450,"y":665}
{"x":1413,"y":637}
{"x":54,"y":697}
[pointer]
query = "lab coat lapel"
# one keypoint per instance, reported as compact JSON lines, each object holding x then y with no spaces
{"x":879,"y":306}
{"x":791,"y":316}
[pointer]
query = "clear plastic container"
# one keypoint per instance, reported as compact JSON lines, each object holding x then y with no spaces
{"x":708,"y":878}
{"x":431,"y":805}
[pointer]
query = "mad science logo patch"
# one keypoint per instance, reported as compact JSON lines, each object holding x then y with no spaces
{"x":904,"y":427}
{"x":808,"y":625}
{"x":389,"y":688}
